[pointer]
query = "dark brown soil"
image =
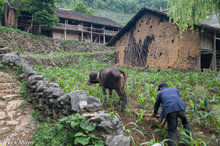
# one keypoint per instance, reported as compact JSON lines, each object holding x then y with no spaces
{"x":148,"y":125}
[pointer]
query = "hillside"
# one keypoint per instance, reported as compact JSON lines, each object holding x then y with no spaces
{"x":117,"y":10}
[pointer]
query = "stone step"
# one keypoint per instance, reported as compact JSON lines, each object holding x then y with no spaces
{"x":10,"y":91}
{"x":3,"y":115}
{"x":7,"y":80}
{"x":11,"y":96}
{"x":4,"y":130}
{"x":6,"y":86}
{"x":2,"y":105}
{"x":3,"y":74}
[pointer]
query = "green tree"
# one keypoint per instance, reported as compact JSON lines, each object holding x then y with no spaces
{"x":2,"y":3}
{"x":82,"y":8}
{"x":42,"y":10}
{"x":187,"y":13}
{"x":159,"y":4}
{"x":120,"y":6}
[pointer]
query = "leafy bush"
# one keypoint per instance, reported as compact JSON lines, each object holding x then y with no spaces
{"x":72,"y":130}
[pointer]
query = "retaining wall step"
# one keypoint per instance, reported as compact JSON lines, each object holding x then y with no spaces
{"x":11,"y":91}
{"x":11,"y":96}
{"x":6,"y":80}
{"x":6,"y":86}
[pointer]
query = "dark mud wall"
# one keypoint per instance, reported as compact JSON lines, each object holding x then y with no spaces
{"x":154,"y":42}
{"x":137,"y":52}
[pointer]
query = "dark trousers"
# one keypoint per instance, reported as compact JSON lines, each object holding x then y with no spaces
{"x":172,"y":125}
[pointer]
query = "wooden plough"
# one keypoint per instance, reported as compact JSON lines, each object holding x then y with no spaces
{"x":163,"y":123}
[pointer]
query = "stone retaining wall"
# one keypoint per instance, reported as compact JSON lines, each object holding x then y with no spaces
{"x":54,"y":103}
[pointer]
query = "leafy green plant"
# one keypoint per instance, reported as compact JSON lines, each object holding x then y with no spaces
{"x":128,"y":111}
{"x":72,"y":130}
{"x":162,"y":130}
{"x":184,"y":138}
{"x":114,"y":115}
{"x":140,"y":115}
{"x":154,"y":141}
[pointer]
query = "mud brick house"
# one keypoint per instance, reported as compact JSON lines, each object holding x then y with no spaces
{"x":150,"y":40}
{"x":72,"y":25}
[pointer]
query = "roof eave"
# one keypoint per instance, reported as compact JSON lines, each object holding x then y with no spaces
{"x":91,"y":22}
{"x":134,"y":19}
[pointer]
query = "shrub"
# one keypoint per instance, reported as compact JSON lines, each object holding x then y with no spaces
{"x":72,"y":130}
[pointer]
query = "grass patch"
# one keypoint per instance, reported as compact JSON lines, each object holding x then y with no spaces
{"x":6,"y":29}
{"x":22,"y":106}
{"x":2,"y":99}
{"x":5,"y":68}
{"x":23,"y":90}
{"x":35,"y":114}
{"x":62,"y":53}
{"x":7,"y":118}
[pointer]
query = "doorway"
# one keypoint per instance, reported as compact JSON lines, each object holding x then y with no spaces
{"x":206,"y":60}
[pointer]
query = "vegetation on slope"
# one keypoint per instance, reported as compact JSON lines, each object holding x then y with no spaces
{"x":117,"y":10}
{"x":120,"y":6}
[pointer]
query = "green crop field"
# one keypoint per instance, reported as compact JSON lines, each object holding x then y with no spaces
{"x":199,"y":91}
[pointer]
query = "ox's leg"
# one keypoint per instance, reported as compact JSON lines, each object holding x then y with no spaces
{"x":124,"y":101}
{"x":110,"y":92}
{"x":122,"y":98}
{"x":104,"y":92}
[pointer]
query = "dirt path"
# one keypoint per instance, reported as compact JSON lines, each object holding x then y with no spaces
{"x":16,"y":124}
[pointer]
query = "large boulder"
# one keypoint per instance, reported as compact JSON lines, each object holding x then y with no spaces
{"x":13,"y":59}
{"x":107,"y":127}
{"x":120,"y":140}
{"x":27,"y":70}
{"x":80,"y":101}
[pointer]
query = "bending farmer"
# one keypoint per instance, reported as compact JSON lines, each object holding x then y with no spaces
{"x":172,"y":108}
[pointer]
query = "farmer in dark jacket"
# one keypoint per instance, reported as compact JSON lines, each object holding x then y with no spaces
{"x":172,"y":108}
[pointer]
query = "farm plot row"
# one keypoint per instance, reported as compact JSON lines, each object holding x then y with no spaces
{"x":199,"y":91}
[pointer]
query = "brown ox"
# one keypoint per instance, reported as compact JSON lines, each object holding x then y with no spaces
{"x":111,"y":78}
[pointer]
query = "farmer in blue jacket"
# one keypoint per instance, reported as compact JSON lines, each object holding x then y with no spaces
{"x":172,"y":108}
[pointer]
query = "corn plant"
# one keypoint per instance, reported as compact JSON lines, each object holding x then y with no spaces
{"x":184,"y":138}
{"x":154,"y":141}
{"x":140,"y":115}
{"x":128,"y":131}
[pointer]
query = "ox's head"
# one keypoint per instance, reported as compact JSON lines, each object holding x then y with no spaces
{"x":93,"y":78}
